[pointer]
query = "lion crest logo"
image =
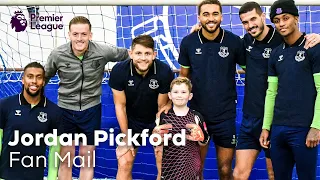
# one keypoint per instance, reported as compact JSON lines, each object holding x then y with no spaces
{"x":18,"y":21}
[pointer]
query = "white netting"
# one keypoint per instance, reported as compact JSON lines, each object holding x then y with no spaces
{"x":117,"y":25}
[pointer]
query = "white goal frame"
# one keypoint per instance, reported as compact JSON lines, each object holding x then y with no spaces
{"x":139,"y":2}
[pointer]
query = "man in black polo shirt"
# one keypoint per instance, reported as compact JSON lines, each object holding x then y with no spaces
{"x":259,"y":42}
{"x":28,"y":112}
{"x":140,"y":88}
{"x":292,"y":103}
{"x":209,"y":58}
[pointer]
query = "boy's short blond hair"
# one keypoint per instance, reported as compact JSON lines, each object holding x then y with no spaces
{"x":181,"y":80}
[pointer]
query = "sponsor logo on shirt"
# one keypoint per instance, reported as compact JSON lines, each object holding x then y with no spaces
{"x":18,"y":113}
{"x":130,"y":83}
{"x":280,"y":58}
{"x":198,"y":51}
{"x":249,"y":48}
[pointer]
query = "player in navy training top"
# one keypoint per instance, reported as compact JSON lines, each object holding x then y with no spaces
{"x":182,"y":162}
{"x":28,"y":112}
{"x":140,"y":88}
{"x":292,"y":105}
{"x":209,"y":58}
{"x":259,"y":42}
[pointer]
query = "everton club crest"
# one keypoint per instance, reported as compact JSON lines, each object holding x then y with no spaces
{"x":300,"y":56}
{"x":266,"y":53}
{"x":224,"y":52}
{"x":42,"y":117}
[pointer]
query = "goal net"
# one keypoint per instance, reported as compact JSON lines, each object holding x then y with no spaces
{"x":117,"y":25}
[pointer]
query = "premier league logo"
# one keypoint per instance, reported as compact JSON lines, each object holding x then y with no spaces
{"x":279,"y":11}
{"x":18,"y":21}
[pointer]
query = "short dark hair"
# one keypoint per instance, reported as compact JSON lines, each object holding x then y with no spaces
{"x":144,"y":40}
{"x":249,"y":6}
{"x":34,"y":65}
{"x":80,"y":20}
{"x":204,"y":2}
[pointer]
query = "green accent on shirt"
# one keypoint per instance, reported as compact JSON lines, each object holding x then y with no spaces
{"x":33,"y":105}
{"x":316,"y":117}
{"x":187,"y":67}
{"x":80,"y":57}
{"x":1,"y":135}
{"x":243,"y":67}
{"x":270,"y":102}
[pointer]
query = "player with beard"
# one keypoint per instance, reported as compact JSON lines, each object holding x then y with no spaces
{"x":259,"y":42}
{"x":140,"y":89}
{"x":209,"y":58}
{"x":29,"y":112}
{"x":292,"y":103}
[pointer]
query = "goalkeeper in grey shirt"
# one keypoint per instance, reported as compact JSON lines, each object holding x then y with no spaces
{"x":80,"y":65}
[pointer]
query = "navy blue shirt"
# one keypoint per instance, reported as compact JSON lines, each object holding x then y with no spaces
{"x":257,"y":56}
{"x":212,"y":72}
{"x":16,"y":114}
{"x":294,"y":66}
{"x":141,"y":92}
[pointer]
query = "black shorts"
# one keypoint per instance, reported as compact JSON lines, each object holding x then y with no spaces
{"x":137,"y":127}
{"x":223,"y":133}
{"x":85,"y":122}
{"x":249,"y":135}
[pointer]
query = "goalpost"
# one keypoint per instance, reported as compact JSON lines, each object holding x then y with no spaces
{"x":139,"y":2}
{"x":116,"y":22}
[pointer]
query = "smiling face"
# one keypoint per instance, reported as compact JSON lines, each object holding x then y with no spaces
{"x":180,"y":95}
{"x":33,"y":81}
{"x":80,"y":35}
{"x":253,"y":22}
{"x":210,"y":17}
{"x":142,"y":58}
{"x":180,"y":91}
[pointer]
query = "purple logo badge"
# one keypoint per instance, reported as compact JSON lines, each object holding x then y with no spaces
{"x":18,"y":21}
{"x":279,"y":11}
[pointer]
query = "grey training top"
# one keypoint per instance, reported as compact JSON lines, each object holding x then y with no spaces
{"x":80,"y":80}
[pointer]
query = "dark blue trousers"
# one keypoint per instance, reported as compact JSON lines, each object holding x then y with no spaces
{"x":288,"y":148}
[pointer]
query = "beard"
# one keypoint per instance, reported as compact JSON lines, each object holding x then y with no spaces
{"x":260,"y":28}
{"x":217,"y":25}
{"x":136,"y":65}
{"x":32,"y":94}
